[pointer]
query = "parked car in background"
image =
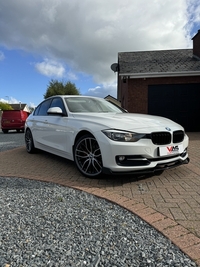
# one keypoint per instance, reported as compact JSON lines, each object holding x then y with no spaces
{"x":102,"y":138}
{"x":13,"y":120}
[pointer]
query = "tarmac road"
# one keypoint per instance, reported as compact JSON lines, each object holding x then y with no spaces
{"x":11,"y":140}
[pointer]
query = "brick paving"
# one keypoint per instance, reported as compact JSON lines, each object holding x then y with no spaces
{"x":169,"y":202}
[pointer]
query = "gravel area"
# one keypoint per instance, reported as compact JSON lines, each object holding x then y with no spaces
{"x":44,"y":224}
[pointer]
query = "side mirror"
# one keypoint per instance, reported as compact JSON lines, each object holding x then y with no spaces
{"x":55,"y":111}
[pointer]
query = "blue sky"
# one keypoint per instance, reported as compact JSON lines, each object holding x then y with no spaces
{"x":78,"y":41}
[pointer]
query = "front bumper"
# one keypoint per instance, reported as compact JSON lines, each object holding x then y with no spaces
{"x":140,"y":157}
{"x":158,"y":168}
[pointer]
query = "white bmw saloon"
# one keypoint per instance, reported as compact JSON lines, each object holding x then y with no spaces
{"x":103,"y":138}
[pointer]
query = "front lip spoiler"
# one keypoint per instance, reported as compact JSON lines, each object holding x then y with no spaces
{"x":158,"y":168}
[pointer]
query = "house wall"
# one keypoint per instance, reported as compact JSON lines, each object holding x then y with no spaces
{"x":123,"y":92}
{"x":133,"y":94}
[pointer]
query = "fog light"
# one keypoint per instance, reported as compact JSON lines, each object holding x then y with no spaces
{"x":184,"y":153}
{"x":121,"y":158}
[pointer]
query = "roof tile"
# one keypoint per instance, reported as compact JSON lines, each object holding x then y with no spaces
{"x":163,"y":61}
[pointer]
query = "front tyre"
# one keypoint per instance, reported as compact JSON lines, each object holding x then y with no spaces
{"x":87,"y":156}
{"x":29,"y":141}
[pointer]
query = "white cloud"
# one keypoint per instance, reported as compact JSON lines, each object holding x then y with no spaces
{"x":10,"y":100}
{"x":50,"y":68}
{"x":87,"y":35}
{"x":32,"y":105}
{"x":103,"y":90}
{"x":193,"y":9}
{"x":71,"y":76}
{"x":3,"y":100}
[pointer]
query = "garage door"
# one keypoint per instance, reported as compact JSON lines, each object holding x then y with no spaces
{"x":181,"y":103}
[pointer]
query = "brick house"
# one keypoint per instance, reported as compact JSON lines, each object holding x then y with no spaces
{"x":163,"y":82}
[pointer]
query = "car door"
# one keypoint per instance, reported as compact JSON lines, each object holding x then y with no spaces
{"x":58,"y":130}
{"x":40,"y":124}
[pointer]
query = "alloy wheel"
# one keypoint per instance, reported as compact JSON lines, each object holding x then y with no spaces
{"x":87,"y":156}
{"x":29,"y":142}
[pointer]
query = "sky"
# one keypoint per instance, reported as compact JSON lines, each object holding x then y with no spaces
{"x":77,"y":41}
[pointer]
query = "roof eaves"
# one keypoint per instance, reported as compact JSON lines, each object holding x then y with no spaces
{"x":160,"y":74}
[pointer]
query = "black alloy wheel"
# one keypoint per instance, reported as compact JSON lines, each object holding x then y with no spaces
{"x":29,"y":141}
{"x":87,"y":156}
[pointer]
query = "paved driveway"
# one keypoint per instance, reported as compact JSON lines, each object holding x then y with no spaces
{"x":169,"y":202}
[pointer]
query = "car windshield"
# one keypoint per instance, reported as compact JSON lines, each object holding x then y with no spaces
{"x":84,"y":104}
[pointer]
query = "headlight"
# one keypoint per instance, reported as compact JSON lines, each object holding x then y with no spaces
{"x":122,"y":136}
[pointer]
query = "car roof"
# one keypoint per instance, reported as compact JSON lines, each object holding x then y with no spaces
{"x":81,"y":96}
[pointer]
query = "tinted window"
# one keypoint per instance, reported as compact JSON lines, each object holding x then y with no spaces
{"x":87,"y":104}
{"x":36,"y":110}
{"x":44,"y":106}
{"x":57,"y":102}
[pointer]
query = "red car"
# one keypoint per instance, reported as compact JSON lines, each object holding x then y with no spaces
{"x":13,"y":120}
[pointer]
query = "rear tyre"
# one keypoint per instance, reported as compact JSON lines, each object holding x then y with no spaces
{"x":87,"y":156}
{"x":5,"y":131}
{"x":29,"y":141}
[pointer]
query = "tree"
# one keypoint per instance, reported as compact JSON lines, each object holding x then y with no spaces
{"x":5,"y":106}
{"x":59,"y":88}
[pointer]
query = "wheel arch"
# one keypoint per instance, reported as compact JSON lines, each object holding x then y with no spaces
{"x":27,"y":128}
{"x":91,"y":170}
{"x":80,"y":134}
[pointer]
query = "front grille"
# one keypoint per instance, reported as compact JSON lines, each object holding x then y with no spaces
{"x":178,"y":136}
{"x":165,"y":138}
{"x":161,"y":138}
